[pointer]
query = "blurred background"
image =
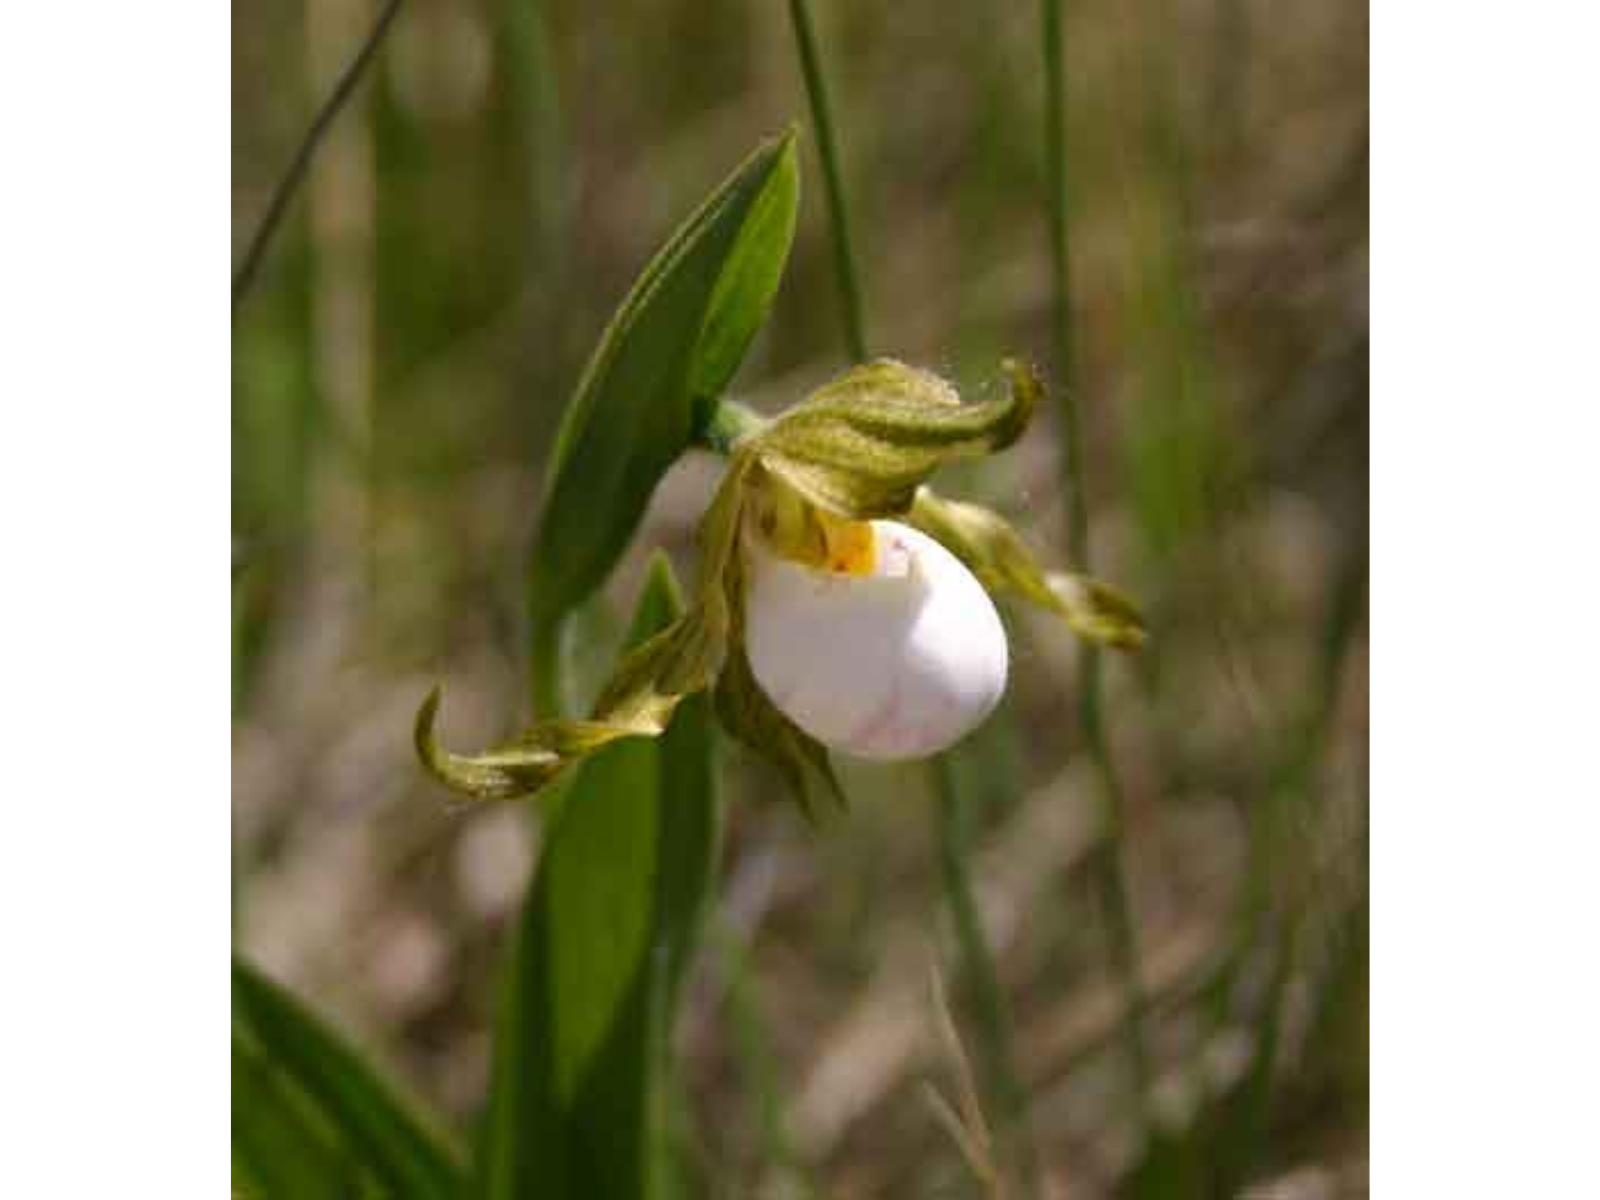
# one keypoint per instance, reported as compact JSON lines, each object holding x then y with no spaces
{"x":399,"y":369}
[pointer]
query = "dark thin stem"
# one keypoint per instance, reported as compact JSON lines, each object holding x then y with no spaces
{"x":828,"y":150}
{"x":295,"y":175}
{"x":544,"y":670}
{"x":1109,"y":881}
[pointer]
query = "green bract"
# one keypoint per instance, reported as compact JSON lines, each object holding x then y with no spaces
{"x":861,"y":447}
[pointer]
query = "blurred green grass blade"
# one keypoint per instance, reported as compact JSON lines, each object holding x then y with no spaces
{"x":282,"y":1144}
{"x":652,"y":382}
{"x":980,"y":973}
{"x":844,"y":259}
{"x":1110,"y":884}
{"x":410,"y":1157}
{"x":758,"y":1066}
{"x":604,"y":937}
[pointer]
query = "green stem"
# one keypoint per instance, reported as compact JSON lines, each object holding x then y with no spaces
{"x":980,"y":974}
{"x":544,"y":669}
{"x":1109,"y":881}
{"x":828,"y":150}
{"x":1055,"y":151}
{"x":536,"y":109}
{"x":731,"y":422}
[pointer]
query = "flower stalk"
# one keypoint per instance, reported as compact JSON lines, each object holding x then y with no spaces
{"x":730,"y":424}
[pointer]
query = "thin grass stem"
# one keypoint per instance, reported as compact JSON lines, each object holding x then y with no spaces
{"x":294,"y":175}
{"x":981,"y":976}
{"x":1055,"y":152}
{"x":1110,"y":883}
{"x":753,"y":1045}
{"x":833,"y":181}
{"x":978,"y":960}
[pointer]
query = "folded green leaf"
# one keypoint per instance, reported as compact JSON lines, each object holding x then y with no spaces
{"x":603,"y":939}
{"x":383,"y":1130}
{"x":860,"y":446}
{"x":997,"y":555}
{"x":650,"y":386}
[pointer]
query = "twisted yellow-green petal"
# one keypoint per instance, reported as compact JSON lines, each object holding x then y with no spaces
{"x":997,"y":555}
{"x":638,"y":701}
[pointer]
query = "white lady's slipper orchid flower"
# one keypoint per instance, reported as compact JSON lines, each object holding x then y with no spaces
{"x":818,"y":630}
{"x":900,"y":659}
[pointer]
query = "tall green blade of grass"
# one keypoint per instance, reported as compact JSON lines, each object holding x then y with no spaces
{"x":1178,"y":452}
{"x":1109,"y":881}
{"x":523,"y":37}
{"x":598,"y":954}
{"x":651,"y":386}
{"x":759,"y":1070}
{"x":833,"y":180}
{"x":380,"y":1127}
{"x":1240,"y":1137}
{"x":1225,"y":1148}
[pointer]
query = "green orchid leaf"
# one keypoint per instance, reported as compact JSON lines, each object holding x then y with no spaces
{"x":861,"y":446}
{"x":283,"y":1145}
{"x":608,"y":927}
{"x":653,"y":380}
{"x":747,"y":284}
{"x":378,"y":1127}
{"x":995,"y":553}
